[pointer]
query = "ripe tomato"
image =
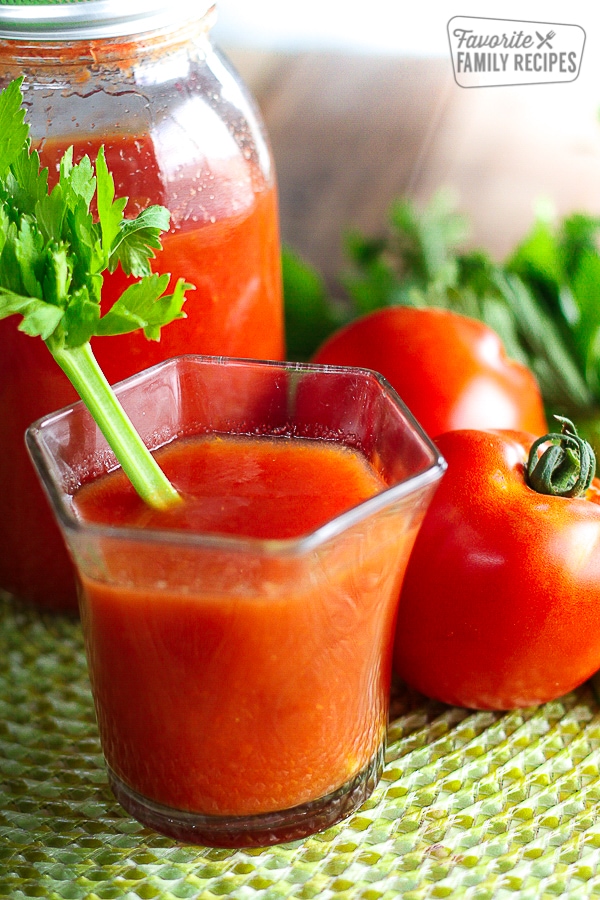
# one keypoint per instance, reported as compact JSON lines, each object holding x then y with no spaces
{"x":500,"y":606}
{"x":450,"y":370}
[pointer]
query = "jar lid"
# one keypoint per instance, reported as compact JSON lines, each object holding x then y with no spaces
{"x":49,"y":20}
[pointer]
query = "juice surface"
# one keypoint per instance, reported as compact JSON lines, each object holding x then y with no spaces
{"x":236,"y":485}
{"x":224,"y":240}
{"x":237,"y":683}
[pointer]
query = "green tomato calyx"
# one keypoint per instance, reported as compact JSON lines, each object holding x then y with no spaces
{"x":566,"y":467}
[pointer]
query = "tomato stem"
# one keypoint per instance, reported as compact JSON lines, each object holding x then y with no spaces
{"x":565,"y":468}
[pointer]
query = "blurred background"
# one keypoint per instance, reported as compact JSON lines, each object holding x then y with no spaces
{"x":362,"y":107}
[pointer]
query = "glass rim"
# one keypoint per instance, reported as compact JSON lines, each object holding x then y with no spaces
{"x":281,"y":547}
{"x":95,"y":19}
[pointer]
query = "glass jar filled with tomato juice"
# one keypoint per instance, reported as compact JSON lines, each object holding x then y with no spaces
{"x":142,"y":78}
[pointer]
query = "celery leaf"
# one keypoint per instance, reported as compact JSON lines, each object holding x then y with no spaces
{"x":54,"y":252}
{"x":144,"y":305}
{"x":40,"y":319}
{"x":137,"y":239}
{"x":14,"y":131}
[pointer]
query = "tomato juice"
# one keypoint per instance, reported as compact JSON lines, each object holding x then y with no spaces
{"x":224,"y":240}
{"x":239,"y":644}
{"x":264,"y":685}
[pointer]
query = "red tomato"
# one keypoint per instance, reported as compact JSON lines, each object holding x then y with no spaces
{"x":500,"y":606}
{"x":451,"y":371}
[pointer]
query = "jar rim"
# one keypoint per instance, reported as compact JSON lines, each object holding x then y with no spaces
{"x":93,"y":19}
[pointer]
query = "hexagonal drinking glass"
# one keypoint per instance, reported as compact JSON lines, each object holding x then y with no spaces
{"x":241,"y":684}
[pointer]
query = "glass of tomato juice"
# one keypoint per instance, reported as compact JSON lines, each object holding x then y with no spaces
{"x":239,"y":646}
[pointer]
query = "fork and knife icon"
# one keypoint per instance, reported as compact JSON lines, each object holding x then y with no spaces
{"x":545,"y":41}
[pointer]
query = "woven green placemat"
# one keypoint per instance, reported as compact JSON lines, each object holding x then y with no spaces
{"x":475,"y":805}
{"x":37,"y":2}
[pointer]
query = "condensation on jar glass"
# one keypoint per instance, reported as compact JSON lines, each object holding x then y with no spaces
{"x":143,"y":79}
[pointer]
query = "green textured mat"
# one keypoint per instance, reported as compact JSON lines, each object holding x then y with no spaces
{"x":38,"y":2}
{"x":475,"y":805}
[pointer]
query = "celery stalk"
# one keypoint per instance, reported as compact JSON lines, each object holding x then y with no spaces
{"x":81,"y":368}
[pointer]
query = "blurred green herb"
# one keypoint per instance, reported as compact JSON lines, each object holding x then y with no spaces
{"x":543,"y":300}
{"x":310,"y":316}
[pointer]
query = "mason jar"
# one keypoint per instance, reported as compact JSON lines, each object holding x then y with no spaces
{"x":142,"y":78}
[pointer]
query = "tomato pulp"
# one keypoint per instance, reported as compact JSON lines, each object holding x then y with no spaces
{"x":224,"y":240}
{"x":236,"y":682}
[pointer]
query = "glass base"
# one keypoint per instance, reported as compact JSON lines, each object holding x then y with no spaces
{"x":252,"y":831}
